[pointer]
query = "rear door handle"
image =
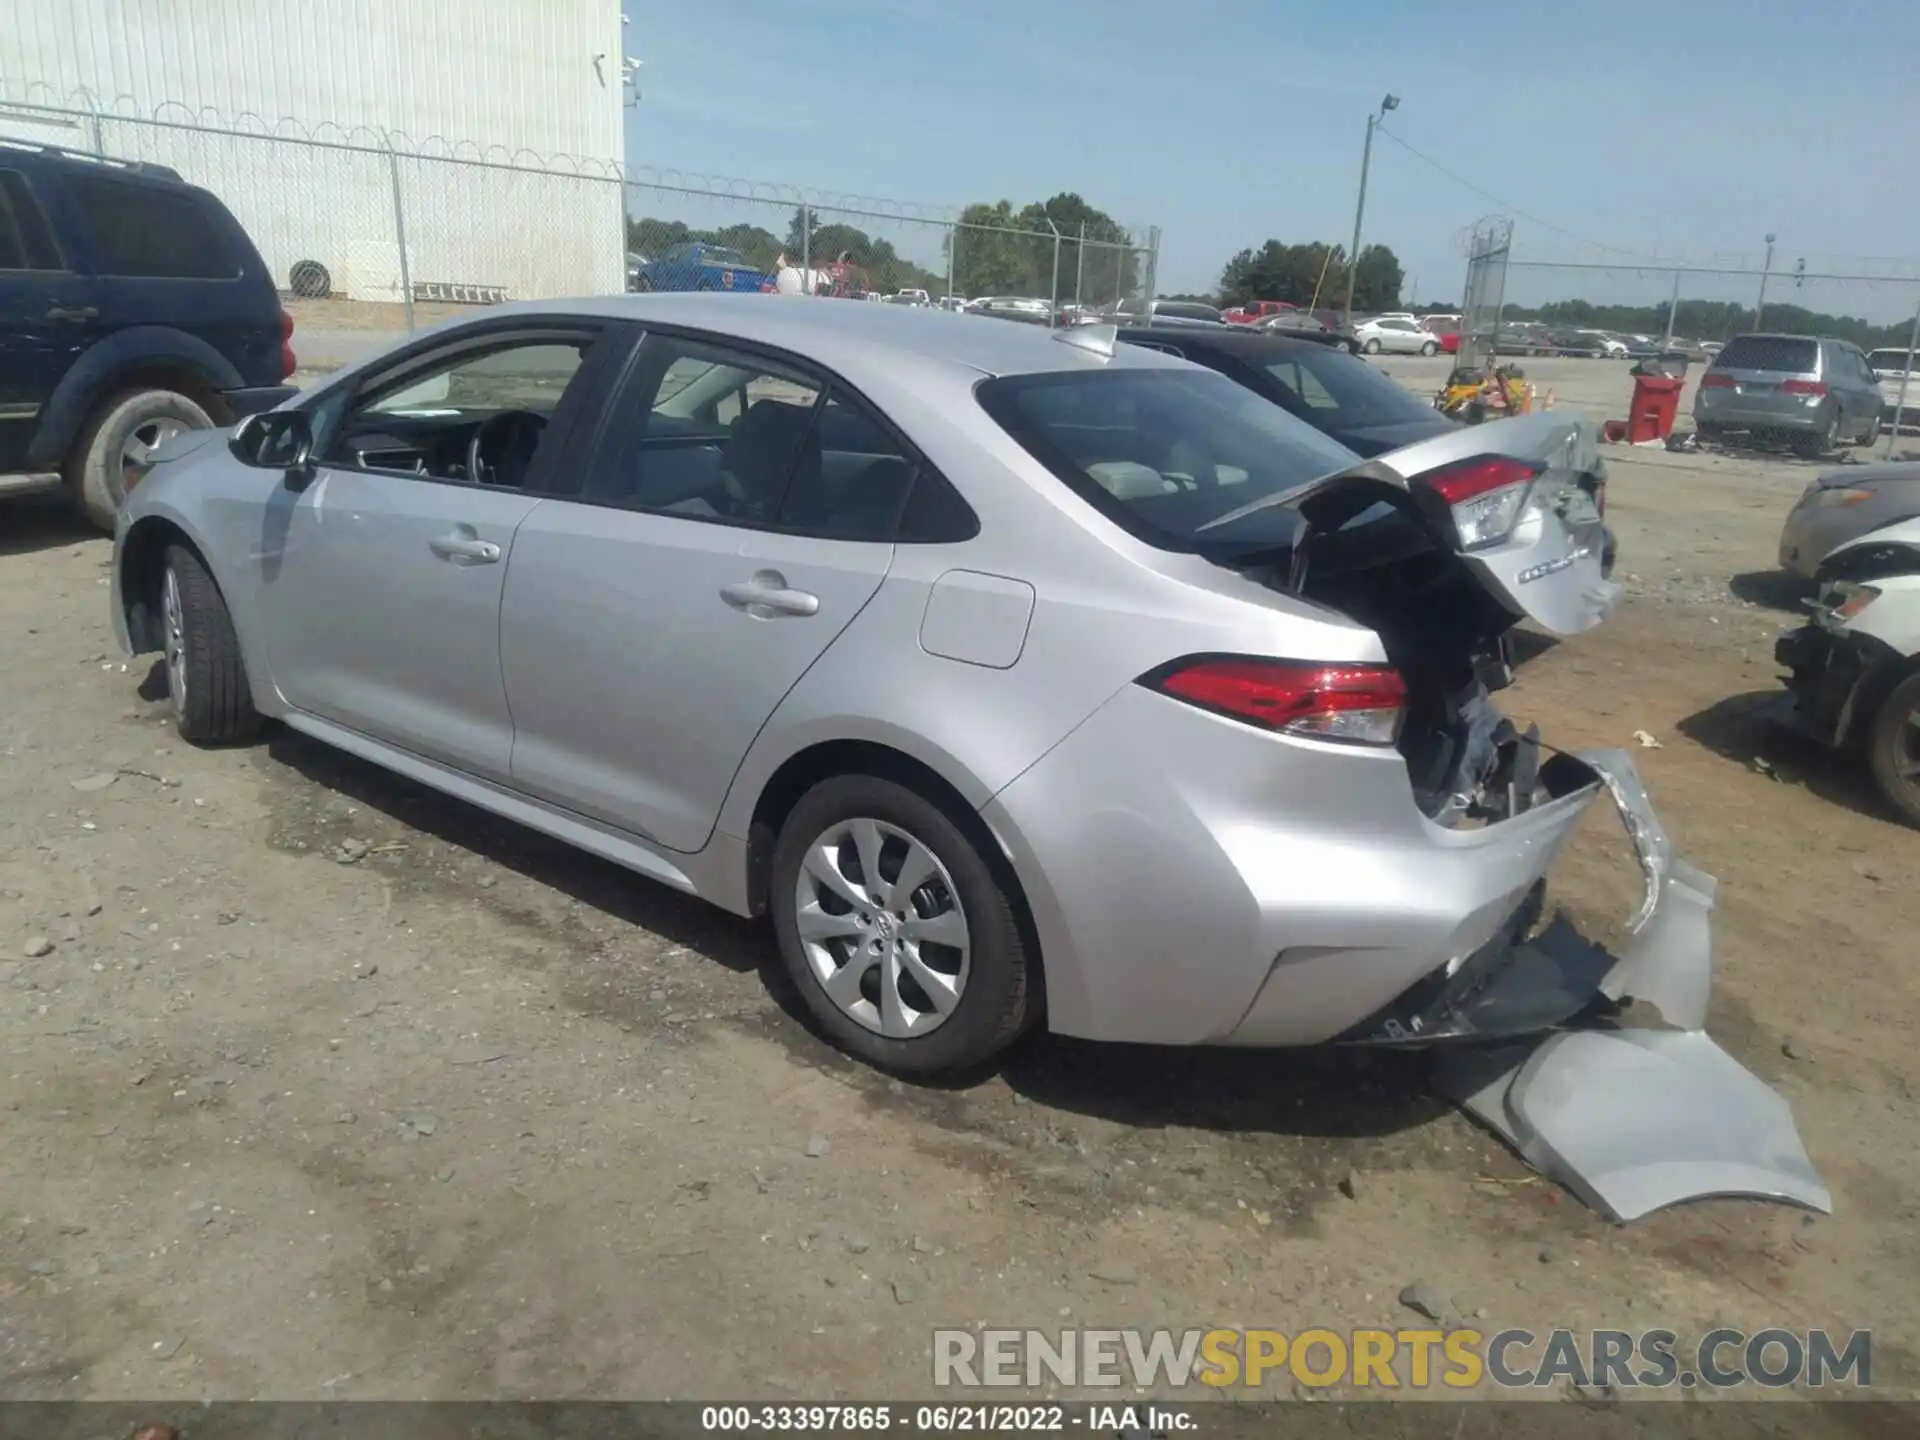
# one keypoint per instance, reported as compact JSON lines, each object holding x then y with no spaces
{"x":72,"y":312}
{"x":465,"y":547}
{"x":767,"y":595}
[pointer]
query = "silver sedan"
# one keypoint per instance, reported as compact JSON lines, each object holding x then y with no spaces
{"x":1016,"y":675}
{"x":1842,"y":505}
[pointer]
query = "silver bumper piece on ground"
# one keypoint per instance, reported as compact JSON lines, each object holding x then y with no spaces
{"x":1635,"y":1120}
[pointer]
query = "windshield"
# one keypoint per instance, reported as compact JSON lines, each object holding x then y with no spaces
{"x":1163,"y":452}
{"x":1341,"y":392}
{"x":1888,"y":360}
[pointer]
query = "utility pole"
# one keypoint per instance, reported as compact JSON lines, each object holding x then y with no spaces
{"x":1766,"y":268}
{"x":1392,"y":102}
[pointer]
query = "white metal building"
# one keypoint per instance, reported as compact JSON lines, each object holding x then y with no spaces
{"x":492,"y":127}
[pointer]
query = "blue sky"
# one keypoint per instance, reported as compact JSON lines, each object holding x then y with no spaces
{"x":1689,"y":129}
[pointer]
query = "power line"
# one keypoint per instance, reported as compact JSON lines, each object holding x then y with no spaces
{"x":1458,"y":179}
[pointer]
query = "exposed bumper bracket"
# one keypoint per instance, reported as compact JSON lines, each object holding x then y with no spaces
{"x":1635,"y":1120}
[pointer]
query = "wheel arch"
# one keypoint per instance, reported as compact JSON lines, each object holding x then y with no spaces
{"x":824,"y":759}
{"x":142,"y":358}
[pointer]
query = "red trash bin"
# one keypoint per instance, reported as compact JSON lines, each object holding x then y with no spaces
{"x":1656,"y":402}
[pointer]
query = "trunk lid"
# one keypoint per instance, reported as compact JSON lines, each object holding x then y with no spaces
{"x":1545,"y":566}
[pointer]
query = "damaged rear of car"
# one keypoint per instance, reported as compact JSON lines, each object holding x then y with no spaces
{"x":1355,"y":852}
{"x":1854,"y":668}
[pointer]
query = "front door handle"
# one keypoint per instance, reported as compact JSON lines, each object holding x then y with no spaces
{"x":465,"y":547}
{"x":767,"y":595}
{"x":72,"y":312}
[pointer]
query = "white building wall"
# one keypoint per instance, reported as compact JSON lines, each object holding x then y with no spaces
{"x":532,"y":83}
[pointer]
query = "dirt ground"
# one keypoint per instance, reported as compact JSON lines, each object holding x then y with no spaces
{"x":474,"y":1115}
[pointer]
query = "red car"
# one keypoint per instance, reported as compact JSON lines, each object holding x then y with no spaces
{"x":1256,"y":310}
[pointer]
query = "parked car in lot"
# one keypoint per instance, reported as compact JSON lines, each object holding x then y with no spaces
{"x":1898,"y":374}
{"x":1337,"y":395}
{"x":1395,"y":335}
{"x":132,"y":307}
{"x":1811,"y":393}
{"x":1165,"y":312}
{"x":1842,"y":505}
{"x":1855,"y":666}
{"x":695,"y":265}
{"x":1022,"y":308}
{"x":1301,"y":325}
{"x":1519,"y":338}
{"x":1254,"y":311}
{"x":433,"y":559}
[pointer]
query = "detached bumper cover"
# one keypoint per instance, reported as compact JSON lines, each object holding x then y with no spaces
{"x":1636,"y":1120}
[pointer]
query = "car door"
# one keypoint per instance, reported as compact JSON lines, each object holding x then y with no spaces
{"x":49,"y":314}
{"x":736,"y":514}
{"x":381,"y":579}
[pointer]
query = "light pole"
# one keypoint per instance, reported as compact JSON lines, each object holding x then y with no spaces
{"x":1766,"y":268}
{"x":1392,"y":102}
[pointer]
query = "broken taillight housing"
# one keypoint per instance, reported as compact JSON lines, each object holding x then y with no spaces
{"x":1356,"y":703}
{"x":1484,"y":496}
{"x":1846,"y":600}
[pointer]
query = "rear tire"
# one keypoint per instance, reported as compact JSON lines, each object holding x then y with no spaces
{"x":206,"y":678}
{"x":990,"y":968}
{"x":1372,"y":347}
{"x":1871,"y":435}
{"x":1893,"y":749}
{"x":1825,"y":443}
{"x":96,"y":467}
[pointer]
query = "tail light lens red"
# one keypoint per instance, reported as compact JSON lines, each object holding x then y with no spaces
{"x":1716,"y":380}
{"x":1484,"y":496}
{"x":288,"y":363}
{"x":1355,"y":704}
{"x":1803,"y":387}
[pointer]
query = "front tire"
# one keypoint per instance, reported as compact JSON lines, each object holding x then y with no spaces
{"x":1429,"y":349}
{"x":1893,"y":749}
{"x":123,"y":433}
{"x":900,"y":937}
{"x":206,"y":678}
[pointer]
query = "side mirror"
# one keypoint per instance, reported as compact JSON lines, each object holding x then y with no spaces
{"x":278,"y":440}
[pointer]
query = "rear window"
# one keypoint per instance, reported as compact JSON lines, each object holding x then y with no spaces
{"x":149,"y":233}
{"x":1344,"y":391}
{"x":1163,"y":452}
{"x":1769,"y":352}
{"x":1186,"y":310}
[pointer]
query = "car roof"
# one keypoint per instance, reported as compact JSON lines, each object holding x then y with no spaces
{"x":841,"y":334}
{"x":1240,"y":340}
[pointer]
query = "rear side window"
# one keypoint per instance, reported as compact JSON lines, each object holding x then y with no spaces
{"x":1888,"y":360}
{"x":1162,"y":452}
{"x":26,"y":240}
{"x":1779,"y":353}
{"x":144,"y":232}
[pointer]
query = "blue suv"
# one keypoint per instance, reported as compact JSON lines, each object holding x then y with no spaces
{"x":132,"y":307}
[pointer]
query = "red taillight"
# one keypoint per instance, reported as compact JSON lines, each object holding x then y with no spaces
{"x":1361,"y":704}
{"x":288,"y":364}
{"x":1484,"y":496}
{"x":1803,"y":387}
{"x":1715,"y":380}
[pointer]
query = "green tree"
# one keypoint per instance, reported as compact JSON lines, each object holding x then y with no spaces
{"x":1377,"y":278}
{"x":990,"y":254}
{"x":1293,"y":273}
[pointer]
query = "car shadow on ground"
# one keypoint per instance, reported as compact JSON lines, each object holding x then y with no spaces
{"x":1772,"y":590}
{"x":1737,"y":729}
{"x":1307,"y":1093}
{"x":739,"y":945}
{"x":41,"y":522}
{"x":1525,"y":646}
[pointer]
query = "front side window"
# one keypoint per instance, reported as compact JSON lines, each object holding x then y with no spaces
{"x":144,"y":232}
{"x":1164,"y":452}
{"x":476,"y":415}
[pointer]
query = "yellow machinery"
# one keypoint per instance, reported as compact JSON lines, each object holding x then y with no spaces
{"x":1476,"y":395}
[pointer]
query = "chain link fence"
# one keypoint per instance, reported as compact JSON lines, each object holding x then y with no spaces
{"x":367,"y":215}
{"x":1488,"y":244}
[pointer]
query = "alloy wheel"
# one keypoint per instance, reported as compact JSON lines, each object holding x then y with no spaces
{"x":174,"y":640}
{"x":880,"y":922}
{"x":136,"y":451}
